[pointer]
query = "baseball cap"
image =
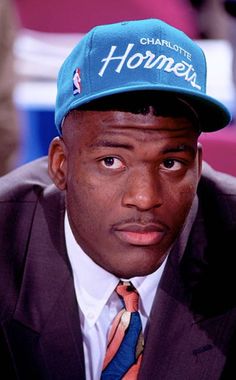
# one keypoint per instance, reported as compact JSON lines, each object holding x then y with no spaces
{"x":138,"y":55}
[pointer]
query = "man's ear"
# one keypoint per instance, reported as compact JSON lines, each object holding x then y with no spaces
{"x":57,"y":162}
{"x":199,"y":149}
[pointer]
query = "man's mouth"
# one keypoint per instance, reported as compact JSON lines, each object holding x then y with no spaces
{"x":139,"y":234}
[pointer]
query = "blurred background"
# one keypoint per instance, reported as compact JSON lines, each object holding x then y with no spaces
{"x":36,"y":36}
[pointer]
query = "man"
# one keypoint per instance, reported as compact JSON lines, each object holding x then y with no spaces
{"x":127,"y":200}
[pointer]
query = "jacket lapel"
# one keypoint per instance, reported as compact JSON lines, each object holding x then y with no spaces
{"x":47,"y":311}
{"x":177,"y":345}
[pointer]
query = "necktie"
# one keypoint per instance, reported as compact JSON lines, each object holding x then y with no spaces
{"x":125,"y":341}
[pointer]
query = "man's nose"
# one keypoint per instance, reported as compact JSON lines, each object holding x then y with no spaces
{"x":143,"y":190}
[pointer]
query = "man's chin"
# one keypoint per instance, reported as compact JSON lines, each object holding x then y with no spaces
{"x":139,"y":269}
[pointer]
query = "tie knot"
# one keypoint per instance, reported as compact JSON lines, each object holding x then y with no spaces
{"x":129,"y":294}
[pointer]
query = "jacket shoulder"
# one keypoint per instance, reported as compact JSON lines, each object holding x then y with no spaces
{"x":26,"y":182}
{"x":22,"y":193}
{"x":217,"y":195}
{"x":217,"y":182}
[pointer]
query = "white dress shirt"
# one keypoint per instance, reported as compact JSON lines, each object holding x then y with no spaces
{"x":99,"y":304}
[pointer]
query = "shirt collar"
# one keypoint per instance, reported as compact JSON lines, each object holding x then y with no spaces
{"x":147,"y":286}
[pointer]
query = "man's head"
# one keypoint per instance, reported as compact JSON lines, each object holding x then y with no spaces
{"x":130,"y":167}
{"x":128,"y":157}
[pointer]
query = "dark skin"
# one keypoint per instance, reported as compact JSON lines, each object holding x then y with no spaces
{"x":129,"y":181}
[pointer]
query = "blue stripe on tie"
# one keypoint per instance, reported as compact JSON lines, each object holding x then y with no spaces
{"x":126,"y":354}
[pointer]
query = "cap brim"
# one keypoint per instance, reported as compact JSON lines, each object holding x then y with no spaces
{"x":213,"y":115}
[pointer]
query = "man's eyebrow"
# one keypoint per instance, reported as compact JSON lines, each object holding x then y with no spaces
{"x":181,"y":148}
{"x":111,"y":144}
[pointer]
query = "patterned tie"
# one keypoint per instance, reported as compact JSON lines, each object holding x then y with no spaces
{"x":125,"y":341}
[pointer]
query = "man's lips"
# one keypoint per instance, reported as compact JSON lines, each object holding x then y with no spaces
{"x":139,"y":234}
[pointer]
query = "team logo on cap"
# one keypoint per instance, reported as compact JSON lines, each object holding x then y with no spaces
{"x":76,"y":82}
{"x":149,"y":60}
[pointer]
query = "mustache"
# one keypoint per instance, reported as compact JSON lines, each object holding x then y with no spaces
{"x":142,"y":221}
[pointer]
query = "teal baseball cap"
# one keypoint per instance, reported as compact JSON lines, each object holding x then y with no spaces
{"x":137,"y":55}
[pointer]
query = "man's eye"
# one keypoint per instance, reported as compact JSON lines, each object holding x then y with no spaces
{"x":112,"y":163}
{"x":171,"y":164}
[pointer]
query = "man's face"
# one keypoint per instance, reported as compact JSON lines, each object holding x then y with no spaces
{"x":130,"y":180}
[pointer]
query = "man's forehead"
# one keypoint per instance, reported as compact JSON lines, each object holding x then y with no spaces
{"x":119,"y":124}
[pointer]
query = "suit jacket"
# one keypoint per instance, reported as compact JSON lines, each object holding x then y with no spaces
{"x":192,"y":327}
